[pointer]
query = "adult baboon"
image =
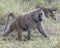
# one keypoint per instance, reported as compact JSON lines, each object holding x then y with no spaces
{"x":26,"y":22}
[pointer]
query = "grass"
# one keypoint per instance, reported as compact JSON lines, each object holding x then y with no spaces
{"x":18,"y":7}
{"x":38,"y":43}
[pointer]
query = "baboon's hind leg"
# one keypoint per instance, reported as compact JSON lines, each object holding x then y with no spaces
{"x":29,"y":33}
{"x":8,"y":31}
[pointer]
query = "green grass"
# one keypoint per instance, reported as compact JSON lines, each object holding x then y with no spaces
{"x":18,"y":7}
{"x":37,"y":43}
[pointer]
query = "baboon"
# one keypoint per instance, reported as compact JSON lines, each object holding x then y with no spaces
{"x":27,"y":22}
{"x":51,"y":12}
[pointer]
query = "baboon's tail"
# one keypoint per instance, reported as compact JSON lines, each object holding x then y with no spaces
{"x":7,"y":19}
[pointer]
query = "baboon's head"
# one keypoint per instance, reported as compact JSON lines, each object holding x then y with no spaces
{"x":51,"y":13}
{"x":54,"y":13}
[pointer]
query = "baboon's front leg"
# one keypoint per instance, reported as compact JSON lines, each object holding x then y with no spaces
{"x":20,"y":34}
{"x":41,"y":29}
